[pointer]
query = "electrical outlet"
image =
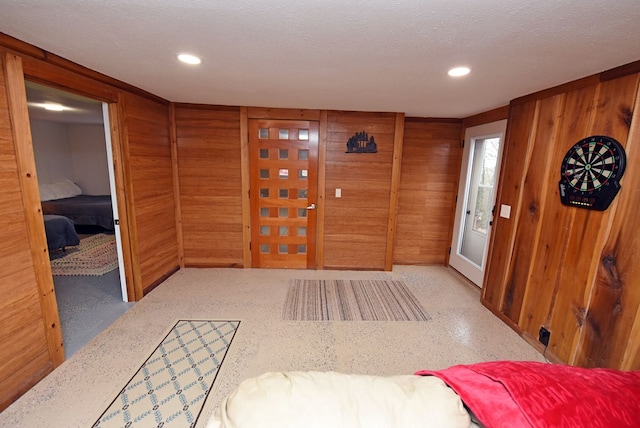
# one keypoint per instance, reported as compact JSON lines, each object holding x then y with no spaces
{"x":543,"y":336}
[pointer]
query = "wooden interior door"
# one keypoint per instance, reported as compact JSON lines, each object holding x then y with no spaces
{"x":283,"y":193}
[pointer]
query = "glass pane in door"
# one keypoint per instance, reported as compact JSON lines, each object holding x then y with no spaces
{"x":480,"y":196}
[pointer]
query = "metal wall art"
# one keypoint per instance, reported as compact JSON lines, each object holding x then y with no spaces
{"x":361,"y":143}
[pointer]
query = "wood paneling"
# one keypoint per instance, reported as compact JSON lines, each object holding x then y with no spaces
{"x":209,"y":167}
{"x":532,"y":205}
{"x":514,"y":159}
{"x":615,"y":293}
{"x":25,"y":355}
{"x":148,"y":153}
{"x":430,"y":168}
{"x":356,"y":225}
{"x":568,"y":269}
{"x":141,"y":173}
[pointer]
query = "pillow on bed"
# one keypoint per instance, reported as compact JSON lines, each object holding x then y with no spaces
{"x":46,"y":194}
{"x":65,"y":189}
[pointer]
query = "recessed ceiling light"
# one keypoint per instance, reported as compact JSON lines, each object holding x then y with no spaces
{"x":189,"y":59}
{"x":53,"y":107}
{"x":459,"y":71}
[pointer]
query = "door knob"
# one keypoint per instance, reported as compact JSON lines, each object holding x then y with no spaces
{"x":311,"y":207}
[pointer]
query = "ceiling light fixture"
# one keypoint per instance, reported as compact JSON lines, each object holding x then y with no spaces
{"x":189,"y":59}
{"x":54,"y":107}
{"x":459,"y":71}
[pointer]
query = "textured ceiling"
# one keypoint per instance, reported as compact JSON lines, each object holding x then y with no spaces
{"x":375,"y":55}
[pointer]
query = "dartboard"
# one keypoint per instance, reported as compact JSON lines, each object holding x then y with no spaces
{"x":591,"y":171}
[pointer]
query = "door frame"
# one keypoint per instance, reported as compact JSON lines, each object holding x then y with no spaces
{"x":320,"y":116}
{"x":473,"y":272}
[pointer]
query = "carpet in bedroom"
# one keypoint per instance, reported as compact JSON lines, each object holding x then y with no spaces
{"x":96,"y":255}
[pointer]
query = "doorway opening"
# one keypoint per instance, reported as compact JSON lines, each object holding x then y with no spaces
{"x":476,"y":199}
{"x":72,"y":150}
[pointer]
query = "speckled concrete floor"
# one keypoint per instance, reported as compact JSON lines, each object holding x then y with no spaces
{"x":461,"y":331}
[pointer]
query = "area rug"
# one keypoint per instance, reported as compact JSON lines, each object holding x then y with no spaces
{"x":350,"y":300}
{"x":96,"y":255}
{"x":172,"y":385}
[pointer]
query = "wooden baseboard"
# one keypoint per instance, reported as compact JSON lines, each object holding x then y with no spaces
{"x":160,"y":280}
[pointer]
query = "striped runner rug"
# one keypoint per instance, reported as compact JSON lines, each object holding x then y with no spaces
{"x":351,"y":300}
{"x":170,"y":388}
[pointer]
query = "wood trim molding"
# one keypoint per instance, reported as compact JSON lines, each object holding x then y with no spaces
{"x":121,"y":197}
{"x":282,"y":113}
{"x":160,"y":280}
{"x":395,"y":190}
{"x":490,"y":116}
{"x":432,"y":120}
{"x":623,"y":70}
{"x":39,"y":63}
{"x":17,"y":98}
{"x":136,"y":291}
{"x":556,"y":90}
{"x":614,"y":73}
{"x":206,"y":107}
{"x":245,"y":177}
{"x":322,"y":188}
{"x":176,"y":182}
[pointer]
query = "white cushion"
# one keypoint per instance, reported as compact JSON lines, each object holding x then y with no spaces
{"x":329,"y":399}
{"x":65,"y":189}
{"x":46,"y":194}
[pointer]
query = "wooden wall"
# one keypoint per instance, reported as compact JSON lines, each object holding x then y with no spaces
{"x":571,"y":270}
{"x":210,"y":181}
{"x":147,"y":146}
{"x":29,"y":324}
{"x":431,"y":157}
{"x":209,"y":173}
{"x":25,"y":352}
{"x":355,"y":225}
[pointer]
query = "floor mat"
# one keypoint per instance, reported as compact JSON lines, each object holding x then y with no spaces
{"x":345,"y":300}
{"x":172,"y":385}
{"x":96,"y":255}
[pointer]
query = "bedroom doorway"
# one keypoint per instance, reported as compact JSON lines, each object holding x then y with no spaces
{"x":74,"y":164}
{"x":284,"y":164}
{"x":476,"y":199}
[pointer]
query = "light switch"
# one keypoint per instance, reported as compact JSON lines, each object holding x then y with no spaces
{"x":505,"y":211}
{"x":338,"y":193}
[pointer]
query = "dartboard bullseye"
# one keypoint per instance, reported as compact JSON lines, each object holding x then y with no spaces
{"x":591,"y":171}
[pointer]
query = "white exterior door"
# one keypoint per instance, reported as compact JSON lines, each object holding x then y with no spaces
{"x":476,"y":199}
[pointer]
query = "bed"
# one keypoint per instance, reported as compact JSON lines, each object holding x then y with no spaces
{"x":84,"y":210}
{"x":65,"y":198}
{"x":495,"y":394}
{"x":60,"y":232}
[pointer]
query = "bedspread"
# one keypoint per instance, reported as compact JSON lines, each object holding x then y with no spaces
{"x":84,"y":210}
{"x":529,"y":394}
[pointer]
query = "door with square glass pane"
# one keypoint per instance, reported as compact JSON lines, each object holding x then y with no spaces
{"x":284,"y":163}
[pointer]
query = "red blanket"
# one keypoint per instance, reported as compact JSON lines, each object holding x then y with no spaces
{"x":529,"y":394}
